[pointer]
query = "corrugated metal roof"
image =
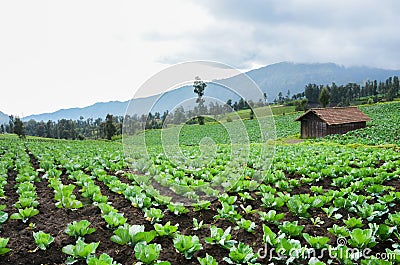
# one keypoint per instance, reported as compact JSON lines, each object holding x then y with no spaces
{"x":338,"y":115}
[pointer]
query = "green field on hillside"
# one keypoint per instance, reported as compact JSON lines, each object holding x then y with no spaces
{"x":275,"y":109}
{"x":93,"y":203}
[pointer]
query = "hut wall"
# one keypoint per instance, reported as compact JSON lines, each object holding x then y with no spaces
{"x":313,"y":127}
{"x":344,"y":128}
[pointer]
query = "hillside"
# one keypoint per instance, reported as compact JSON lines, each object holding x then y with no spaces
{"x":3,"y":118}
{"x":272,"y":79}
{"x":294,"y":76}
{"x":93,"y":111}
{"x":313,"y":190}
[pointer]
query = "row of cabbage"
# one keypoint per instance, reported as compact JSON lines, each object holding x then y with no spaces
{"x":357,"y":186}
{"x":384,"y":129}
{"x":16,"y":159}
{"x":357,"y":178}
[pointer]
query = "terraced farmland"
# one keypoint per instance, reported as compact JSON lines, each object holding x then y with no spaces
{"x":322,"y":202}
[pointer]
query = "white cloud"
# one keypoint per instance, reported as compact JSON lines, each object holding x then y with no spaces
{"x":62,"y":54}
{"x":65,"y":54}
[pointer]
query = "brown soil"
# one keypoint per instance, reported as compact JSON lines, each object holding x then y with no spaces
{"x":54,"y":220}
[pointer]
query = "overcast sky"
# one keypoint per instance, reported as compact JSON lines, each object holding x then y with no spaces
{"x":63,"y":54}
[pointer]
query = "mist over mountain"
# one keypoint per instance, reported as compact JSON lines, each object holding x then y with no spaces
{"x":295,"y":76}
{"x":3,"y":118}
{"x":271,"y":79}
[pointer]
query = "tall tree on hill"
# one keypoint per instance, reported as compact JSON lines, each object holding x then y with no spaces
{"x":110,"y":128}
{"x":312,"y":92}
{"x":242,"y":104}
{"x":11,"y":124}
{"x":396,"y":85}
{"x":390,"y":94}
{"x":301,"y":104}
{"x":65,"y":129}
{"x":49,"y":129}
{"x":199,"y":87}
{"x":229,"y":103}
{"x":324,"y":97}
{"x":19,"y":127}
{"x":280,"y":98}
{"x":375,"y":88}
{"x":287,"y":98}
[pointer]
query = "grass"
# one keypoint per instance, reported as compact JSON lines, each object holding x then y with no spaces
{"x":276,"y":110}
{"x":282,"y":110}
{"x":313,"y":175}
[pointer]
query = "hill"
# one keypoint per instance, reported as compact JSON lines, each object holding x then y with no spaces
{"x":285,"y":76}
{"x":272,"y":79}
{"x":94,"y":111}
{"x":3,"y":118}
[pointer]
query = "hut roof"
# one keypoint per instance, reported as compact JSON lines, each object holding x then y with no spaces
{"x":336,"y":115}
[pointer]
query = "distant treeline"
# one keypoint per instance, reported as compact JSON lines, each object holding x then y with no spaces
{"x":68,"y":128}
{"x":112,"y":125}
{"x":313,"y":95}
{"x":345,"y":95}
{"x":181,"y":115}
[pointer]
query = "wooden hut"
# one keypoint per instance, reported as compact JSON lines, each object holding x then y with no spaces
{"x":319,"y":122}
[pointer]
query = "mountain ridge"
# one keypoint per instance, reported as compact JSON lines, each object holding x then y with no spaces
{"x":4,"y":118}
{"x":272,"y":79}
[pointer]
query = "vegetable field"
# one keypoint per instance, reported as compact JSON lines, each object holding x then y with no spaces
{"x":335,"y":201}
{"x":383,"y":129}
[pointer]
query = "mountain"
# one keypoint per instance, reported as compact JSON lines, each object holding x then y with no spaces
{"x":285,"y":76}
{"x":94,"y":111}
{"x":4,"y":118}
{"x":271,"y":79}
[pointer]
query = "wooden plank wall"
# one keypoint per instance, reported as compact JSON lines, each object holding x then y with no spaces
{"x":344,"y":128}
{"x":313,"y":127}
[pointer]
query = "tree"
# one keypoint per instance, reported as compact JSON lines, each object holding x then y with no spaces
{"x":242,"y":104}
{"x":40,"y":129}
{"x":251,"y":114}
{"x":312,"y":92}
{"x":179,"y":115}
{"x":65,"y":129}
{"x":280,"y":98}
{"x":324,"y":97}
{"x":260,"y":103}
{"x":375,"y":88}
{"x":370,"y":101}
{"x":199,"y":87}
{"x":11,"y":124}
{"x":110,"y":128}
{"x":287,"y":96}
{"x":30,"y":127}
{"x":390,"y":94}
{"x":301,"y":104}
{"x":49,"y":129}
{"x":164,"y":116}
{"x":19,"y":127}
{"x":396,"y":85}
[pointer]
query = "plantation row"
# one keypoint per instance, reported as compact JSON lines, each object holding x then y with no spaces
{"x":383,"y":129}
{"x":314,"y":195}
